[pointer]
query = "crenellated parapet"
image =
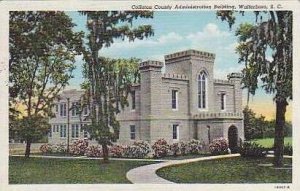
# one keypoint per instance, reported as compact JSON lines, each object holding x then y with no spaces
{"x":151,"y":64}
{"x":175,"y":76}
{"x":188,"y":54}
{"x":225,"y":82}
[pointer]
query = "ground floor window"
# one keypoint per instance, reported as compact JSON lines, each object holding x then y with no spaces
{"x":132,"y":132}
{"x":63,"y":130}
{"x":175,"y":132}
{"x":75,"y":130}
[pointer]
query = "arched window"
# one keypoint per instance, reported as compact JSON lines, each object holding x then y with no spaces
{"x":202,"y":90}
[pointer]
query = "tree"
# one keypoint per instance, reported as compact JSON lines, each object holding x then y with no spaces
{"x":271,"y":36}
{"x":42,"y":47}
{"x":108,"y":84}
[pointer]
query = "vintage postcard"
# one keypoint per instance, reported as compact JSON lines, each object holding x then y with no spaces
{"x":142,"y":95}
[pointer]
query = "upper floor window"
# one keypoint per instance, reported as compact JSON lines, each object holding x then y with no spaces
{"x":133,"y":100}
{"x":202,"y":90}
{"x":75,"y":108}
{"x":174,"y":99}
{"x":132,"y":132}
{"x":56,"y":108}
{"x":85,"y":111}
{"x":63,"y":109}
{"x":223,"y":101}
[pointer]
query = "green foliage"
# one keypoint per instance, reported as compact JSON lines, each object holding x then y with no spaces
{"x":288,"y":149}
{"x":108,"y":81}
{"x":42,"y":48}
{"x":252,"y":149}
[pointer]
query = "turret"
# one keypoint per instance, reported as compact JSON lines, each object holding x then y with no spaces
{"x":236,"y":79}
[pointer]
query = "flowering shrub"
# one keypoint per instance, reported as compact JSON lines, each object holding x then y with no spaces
{"x":184,"y":148}
{"x":78,"y":147}
{"x":93,"y":151}
{"x":175,"y":149}
{"x":46,"y":148}
{"x":116,"y":150}
{"x":195,"y":146}
{"x":139,"y":149}
{"x":160,"y":148}
{"x":219,"y":146}
{"x":60,"y":148}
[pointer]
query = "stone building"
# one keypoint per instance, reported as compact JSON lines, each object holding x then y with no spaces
{"x":184,"y":103}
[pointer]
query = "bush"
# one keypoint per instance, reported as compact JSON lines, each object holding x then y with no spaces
{"x":78,"y":147}
{"x":288,"y":150}
{"x":252,"y":149}
{"x":160,"y":148}
{"x":195,"y":146}
{"x":116,"y":151}
{"x":46,"y":148}
{"x":184,"y":148}
{"x":175,"y":149}
{"x":94,"y":151}
{"x":139,"y":149}
{"x":219,"y":146}
{"x":60,"y":148}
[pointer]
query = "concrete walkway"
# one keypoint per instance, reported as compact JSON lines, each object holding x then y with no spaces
{"x":91,"y":158}
{"x":147,"y":174}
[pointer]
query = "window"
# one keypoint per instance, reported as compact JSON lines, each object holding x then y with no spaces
{"x":63,"y":109}
{"x":208,"y":133}
{"x":75,"y":108}
{"x":202,"y":82}
{"x":53,"y":128}
{"x":174,"y":99}
{"x":85,"y":111}
{"x":57,"y":128}
{"x":63,"y":130}
{"x":175,"y":131}
{"x":133,"y":100}
{"x":132,"y":132}
{"x":56,"y":108}
{"x":85,"y":133}
{"x":223,"y":101}
{"x":75,"y":130}
{"x":50,"y":133}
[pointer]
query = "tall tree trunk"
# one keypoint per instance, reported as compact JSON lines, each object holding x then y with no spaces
{"x":28,"y":145}
{"x":105,"y":153}
{"x":279,"y":132}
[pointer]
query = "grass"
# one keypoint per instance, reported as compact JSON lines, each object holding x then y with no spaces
{"x":190,"y":156}
{"x":232,"y":170}
{"x":64,"y":171}
{"x":269,"y":142}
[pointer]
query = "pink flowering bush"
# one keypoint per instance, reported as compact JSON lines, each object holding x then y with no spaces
{"x":175,"y":149}
{"x":184,"y":148}
{"x":78,"y":147}
{"x":160,"y":148}
{"x":60,"y":148}
{"x":219,"y":146}
{"x":46,"y":148}
{"x":116,"y":150}
{"x":94,"y":151}
{"x":195,"y":146}
{"x":139,"y":149}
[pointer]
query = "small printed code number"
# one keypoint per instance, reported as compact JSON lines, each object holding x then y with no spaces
{"x":282,"y":187}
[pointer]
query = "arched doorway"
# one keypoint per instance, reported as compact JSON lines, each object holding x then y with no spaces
{"x":233,"y":139}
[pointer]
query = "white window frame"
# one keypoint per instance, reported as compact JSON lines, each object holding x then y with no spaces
{"x":177,"y":131}
{"x":133,"y":101}
{"x":176,"y":100}
{"x":132,"y":132}
{"x":63,"y":109}
{"x":223,"y":103}
{"x":74,"y":109}
{"x":200,"y":92}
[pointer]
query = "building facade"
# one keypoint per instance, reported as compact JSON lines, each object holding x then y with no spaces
{"x":183,"y":103}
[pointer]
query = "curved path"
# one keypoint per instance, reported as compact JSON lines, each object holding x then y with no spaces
{"x":147,"y":174}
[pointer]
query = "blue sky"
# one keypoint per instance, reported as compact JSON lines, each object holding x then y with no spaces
{"x":180,"y":30}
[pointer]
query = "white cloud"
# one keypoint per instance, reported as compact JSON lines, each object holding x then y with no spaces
{"x":169,"y":38}
{"x":222,"y":73}
{"x":210,"y":31}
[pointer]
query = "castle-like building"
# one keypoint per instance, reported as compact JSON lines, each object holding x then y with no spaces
{"x":184,"y":103}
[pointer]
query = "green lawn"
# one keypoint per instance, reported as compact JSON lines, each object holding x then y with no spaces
{"x":269,"y":142}
{"x":232,"y":170}
{"x":68,"y":171}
